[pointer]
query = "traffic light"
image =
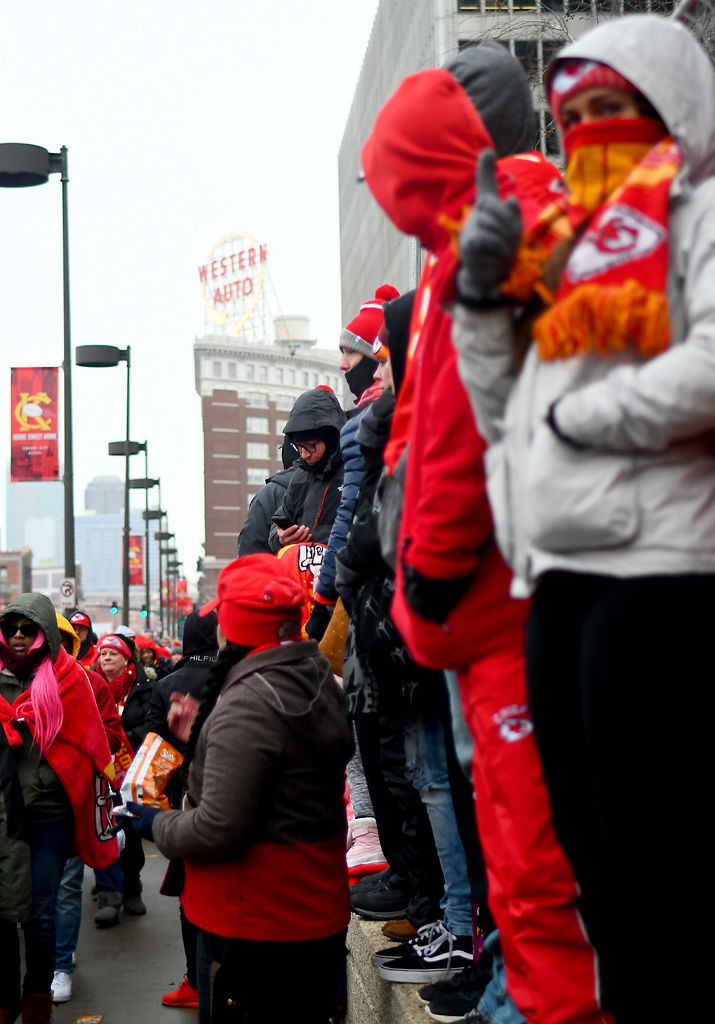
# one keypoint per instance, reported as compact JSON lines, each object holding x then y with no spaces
{"x":115,"y":608}
{"x":144,"y":612}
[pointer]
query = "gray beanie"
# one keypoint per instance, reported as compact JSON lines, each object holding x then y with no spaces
{"x":497,"y":85}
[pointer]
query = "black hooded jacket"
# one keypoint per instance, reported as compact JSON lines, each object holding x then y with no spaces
{"x":313,"y":494}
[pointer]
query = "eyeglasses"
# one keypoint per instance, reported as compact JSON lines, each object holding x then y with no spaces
{"x":310,"y":447}
{"x":9,"y":629}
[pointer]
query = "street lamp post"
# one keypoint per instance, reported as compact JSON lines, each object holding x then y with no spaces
{"x":169,"y":553}
{"x":173,"y":568}
{"x":162,"y":535}
{"x":109,"y":355}
{"x":22,"y":166}
{"x":145,"y":484}
{"x":148,"y":515}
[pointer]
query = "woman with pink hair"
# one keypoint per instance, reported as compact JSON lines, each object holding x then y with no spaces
{"x":60,"y":763}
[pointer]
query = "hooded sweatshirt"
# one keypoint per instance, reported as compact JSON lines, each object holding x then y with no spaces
{"x":633,"y":494}
{"x":419,"y":163}
{"x":72,"y":778}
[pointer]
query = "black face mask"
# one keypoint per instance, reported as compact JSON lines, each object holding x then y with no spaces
{"x":361,"y":376}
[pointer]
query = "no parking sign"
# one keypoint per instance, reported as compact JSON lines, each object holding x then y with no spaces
{"x":68,"y":590}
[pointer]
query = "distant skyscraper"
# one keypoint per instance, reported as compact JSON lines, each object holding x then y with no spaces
{"x":104,"y":494}
{"x":35,"y":517}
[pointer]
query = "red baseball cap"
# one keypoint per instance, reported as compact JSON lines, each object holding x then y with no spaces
{"x":258,"y":602}
{"x":80,"y":619}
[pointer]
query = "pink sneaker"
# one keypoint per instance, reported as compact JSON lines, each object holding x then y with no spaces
{"x":364,"y":854}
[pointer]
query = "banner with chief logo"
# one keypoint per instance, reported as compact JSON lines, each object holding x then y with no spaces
{"x":136,"y":559}
{"x":33,"y":423}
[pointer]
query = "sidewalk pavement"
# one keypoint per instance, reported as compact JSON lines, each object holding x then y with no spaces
{"x":123,"y":972}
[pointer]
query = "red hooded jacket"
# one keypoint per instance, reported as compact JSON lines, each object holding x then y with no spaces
{"x":420,"y":163}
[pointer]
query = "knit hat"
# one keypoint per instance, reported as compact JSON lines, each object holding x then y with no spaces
{"x":498,"y":86}
{"x":80,"y":619}
{"x":567,"y":78}
{"x":259,"y":601}
{"x":362,"y":330}
{"x":116,"y":643}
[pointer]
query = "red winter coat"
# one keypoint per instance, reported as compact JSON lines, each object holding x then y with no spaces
{"x":420,"y":162}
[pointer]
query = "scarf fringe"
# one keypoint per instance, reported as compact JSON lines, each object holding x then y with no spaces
{"x":598,"y":318}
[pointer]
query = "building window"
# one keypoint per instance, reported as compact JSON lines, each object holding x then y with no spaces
{"x":263,"y":373}
{"x":305,"y":379}
{"x":217,"y":368}
{"x":257,"y":474}
{"x":250,"y":371}
{"x":257,"y":450}
{"x":257,"y":425}
{"x":291,"y":376}
{"x":315,"y":380}
{"x":284,"y":402}
{"x":258,"y":401}
{"x":232,"y":370}
{"x":279,"y":374}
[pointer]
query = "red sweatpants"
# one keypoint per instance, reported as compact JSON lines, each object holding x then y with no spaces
{"x":551,"y":968}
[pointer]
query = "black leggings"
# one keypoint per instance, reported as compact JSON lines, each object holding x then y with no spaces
{"x":620,"y":677}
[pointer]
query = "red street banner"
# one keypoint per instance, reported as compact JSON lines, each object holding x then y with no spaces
{"x":33,"y":423}
{"x":136,"y":559}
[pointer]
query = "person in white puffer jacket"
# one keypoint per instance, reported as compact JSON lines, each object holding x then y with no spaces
{"x":601,"y":475}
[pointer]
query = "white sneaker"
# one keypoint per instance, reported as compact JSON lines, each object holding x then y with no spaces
{"x":61,"y":987}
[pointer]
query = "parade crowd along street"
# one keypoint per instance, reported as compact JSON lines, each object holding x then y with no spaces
{"x":458,"y":679}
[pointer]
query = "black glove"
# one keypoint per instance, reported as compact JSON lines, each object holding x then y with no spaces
{"x":142,"y":823}
{"x":433,"y":599}
{"x":488,"y":241}
{"x":318,"y":622}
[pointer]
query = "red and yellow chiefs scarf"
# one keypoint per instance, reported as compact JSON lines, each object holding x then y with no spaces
{"x":611,"y":295}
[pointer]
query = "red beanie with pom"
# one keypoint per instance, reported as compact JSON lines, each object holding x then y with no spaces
{"x":362,"y":330}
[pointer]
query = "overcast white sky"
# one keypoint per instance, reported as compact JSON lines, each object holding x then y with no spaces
{"x":183,"y":121}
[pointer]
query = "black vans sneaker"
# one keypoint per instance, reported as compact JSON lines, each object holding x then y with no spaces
{"x":444,"y":956}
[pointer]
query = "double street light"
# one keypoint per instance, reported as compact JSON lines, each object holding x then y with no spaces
{"x":23,"y":166}
{"x":169,"y":553}
{"x":109,"y":355}
{"x":145,"y":484}
{"x":161,"y":536}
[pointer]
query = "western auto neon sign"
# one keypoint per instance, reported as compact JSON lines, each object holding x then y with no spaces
{"x":231,"y":279}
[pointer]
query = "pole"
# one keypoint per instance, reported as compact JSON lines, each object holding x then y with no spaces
{"x":125,"y":553}
{"x":161,"y":577}
{"x":147,"y":590}
{"x":68,"y":478}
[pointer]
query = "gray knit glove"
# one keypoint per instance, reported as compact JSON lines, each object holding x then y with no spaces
{"x":488,"y":241}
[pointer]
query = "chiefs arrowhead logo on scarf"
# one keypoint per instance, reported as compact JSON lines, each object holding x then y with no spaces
{"x":611,"y":295}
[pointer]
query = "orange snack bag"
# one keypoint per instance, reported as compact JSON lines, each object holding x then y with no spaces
{"x":155,"y":762}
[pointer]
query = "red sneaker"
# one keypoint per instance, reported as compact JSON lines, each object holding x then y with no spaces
{"x":184,"y":995}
